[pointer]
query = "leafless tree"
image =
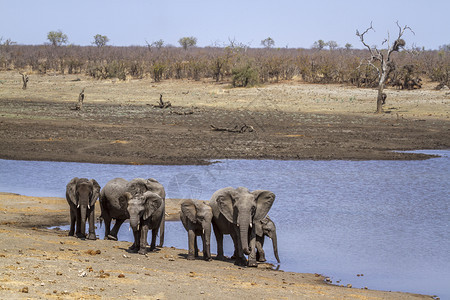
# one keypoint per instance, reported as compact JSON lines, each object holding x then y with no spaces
{"x":381,"y":60}
{"x":79,"y":105}
{"x":24,"y":80}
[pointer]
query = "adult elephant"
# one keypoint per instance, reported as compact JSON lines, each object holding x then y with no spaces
{"x":140,"y":200}
{"x":263,"y":228}
{"x":196,"y":216}
{"x":81,"y":194}
{"x":235,"y":211}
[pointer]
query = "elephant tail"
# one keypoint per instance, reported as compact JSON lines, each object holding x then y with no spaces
{"x":100,"y":219}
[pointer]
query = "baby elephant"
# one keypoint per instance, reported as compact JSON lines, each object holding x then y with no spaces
{"x":196,"y":216}
{"x":265,"y":227}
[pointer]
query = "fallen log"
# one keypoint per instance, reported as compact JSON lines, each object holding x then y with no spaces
{"x":236,"y":129}
{"x":182,"y":113}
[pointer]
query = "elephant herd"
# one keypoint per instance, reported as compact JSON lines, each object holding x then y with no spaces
{"x":235,"y":211}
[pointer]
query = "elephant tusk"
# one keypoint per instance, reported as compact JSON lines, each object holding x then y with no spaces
{"x":203,"y":231}
{"x":78,"y":206}
{"x":139,"y":226}
{"x":251,"y":225}
{"x":89,"y":207}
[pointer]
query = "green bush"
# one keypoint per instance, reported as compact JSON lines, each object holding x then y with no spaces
{"x":158,"y":70}
{"x":244,"y":76}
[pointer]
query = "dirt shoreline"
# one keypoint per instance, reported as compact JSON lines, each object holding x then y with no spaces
{"x":289,"y":121}
{"x":39,"y":263}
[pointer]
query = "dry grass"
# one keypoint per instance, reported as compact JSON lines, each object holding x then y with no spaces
{"x":292,"y":96}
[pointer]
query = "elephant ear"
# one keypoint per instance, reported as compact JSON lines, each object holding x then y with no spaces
{"x":156,"y":187}
{"x":264,"y":201}
{"x":71,"y":190}
{"x":95,"y":191}
{"x":152,"y":202}
{"x":189,"y":210}
{"x":137,"y":186}
{"x":225,"y":202}
{"x":259,"y":228}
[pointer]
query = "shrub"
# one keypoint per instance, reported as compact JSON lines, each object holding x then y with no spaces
{"x":244,"y":76}
{"x":158,"y":70}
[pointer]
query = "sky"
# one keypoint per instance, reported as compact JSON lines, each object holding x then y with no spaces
{"x":290,"y":23}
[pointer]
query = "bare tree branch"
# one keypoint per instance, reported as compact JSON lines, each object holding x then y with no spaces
{"x":384,"y":58}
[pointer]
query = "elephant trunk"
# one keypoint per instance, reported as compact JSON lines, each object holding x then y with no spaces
{"x":83,"y":211}
{"x":275,"y":247}
{"x":207,"y":239}
{"x":243,"y":230}
{"x":134,"y":222}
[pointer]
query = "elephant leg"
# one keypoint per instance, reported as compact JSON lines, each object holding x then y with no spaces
{"x":135,"y":247}
{"x":260,"y":255}
{"x":73,"y":217}
{"x":252,"y":256}
{"x":153,"y":242}
{"x":107,"y":220}
{"x":161,"y":230}
{"x":240,"y":259}
{"x":191,"y":241}
{"x":219,"y":240}
{"x":115,"y":230}
{"x":195,"y":246}
{"x":143,"y":240}
{"x":91,"y":235}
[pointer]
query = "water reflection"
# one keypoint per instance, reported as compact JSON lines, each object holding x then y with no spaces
{"x":388,"y":220}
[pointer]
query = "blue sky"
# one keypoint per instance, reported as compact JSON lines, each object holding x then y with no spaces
{"x":288,"y":22}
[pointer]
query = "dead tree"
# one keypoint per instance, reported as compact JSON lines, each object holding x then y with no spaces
{"x":25,"y":80}
{"x":80,"y":100}
{"x":381,"y":60}
{"x":162,"y":104}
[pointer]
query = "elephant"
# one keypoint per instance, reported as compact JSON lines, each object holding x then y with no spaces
{"x":263,"y":228}
{"x":235,"y":211}
{"x":196,"y":216}
{"x":140,"y":200}
{"x":81,"y":194}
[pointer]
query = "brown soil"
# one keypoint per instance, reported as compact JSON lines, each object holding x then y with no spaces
{"x":39,"y":263}
{"x":118,"y":123}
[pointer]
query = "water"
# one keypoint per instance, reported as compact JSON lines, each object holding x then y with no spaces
{"x":387,"y":220}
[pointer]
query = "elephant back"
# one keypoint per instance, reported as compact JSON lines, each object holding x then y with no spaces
{"x":114,"y":188}
{"x":112,"y":197}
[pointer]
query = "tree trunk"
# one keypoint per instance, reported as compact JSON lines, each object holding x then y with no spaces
{"x":380,"y":100}
{"x":381,"y":82}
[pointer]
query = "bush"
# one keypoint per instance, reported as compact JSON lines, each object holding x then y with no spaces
{"x":244,"y":76}
{"x":158,"y":70}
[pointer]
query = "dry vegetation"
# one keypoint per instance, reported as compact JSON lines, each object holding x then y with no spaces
{"x":238,"y":64}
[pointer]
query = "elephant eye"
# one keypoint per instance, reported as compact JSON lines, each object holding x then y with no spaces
{"x":253,"y":210}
